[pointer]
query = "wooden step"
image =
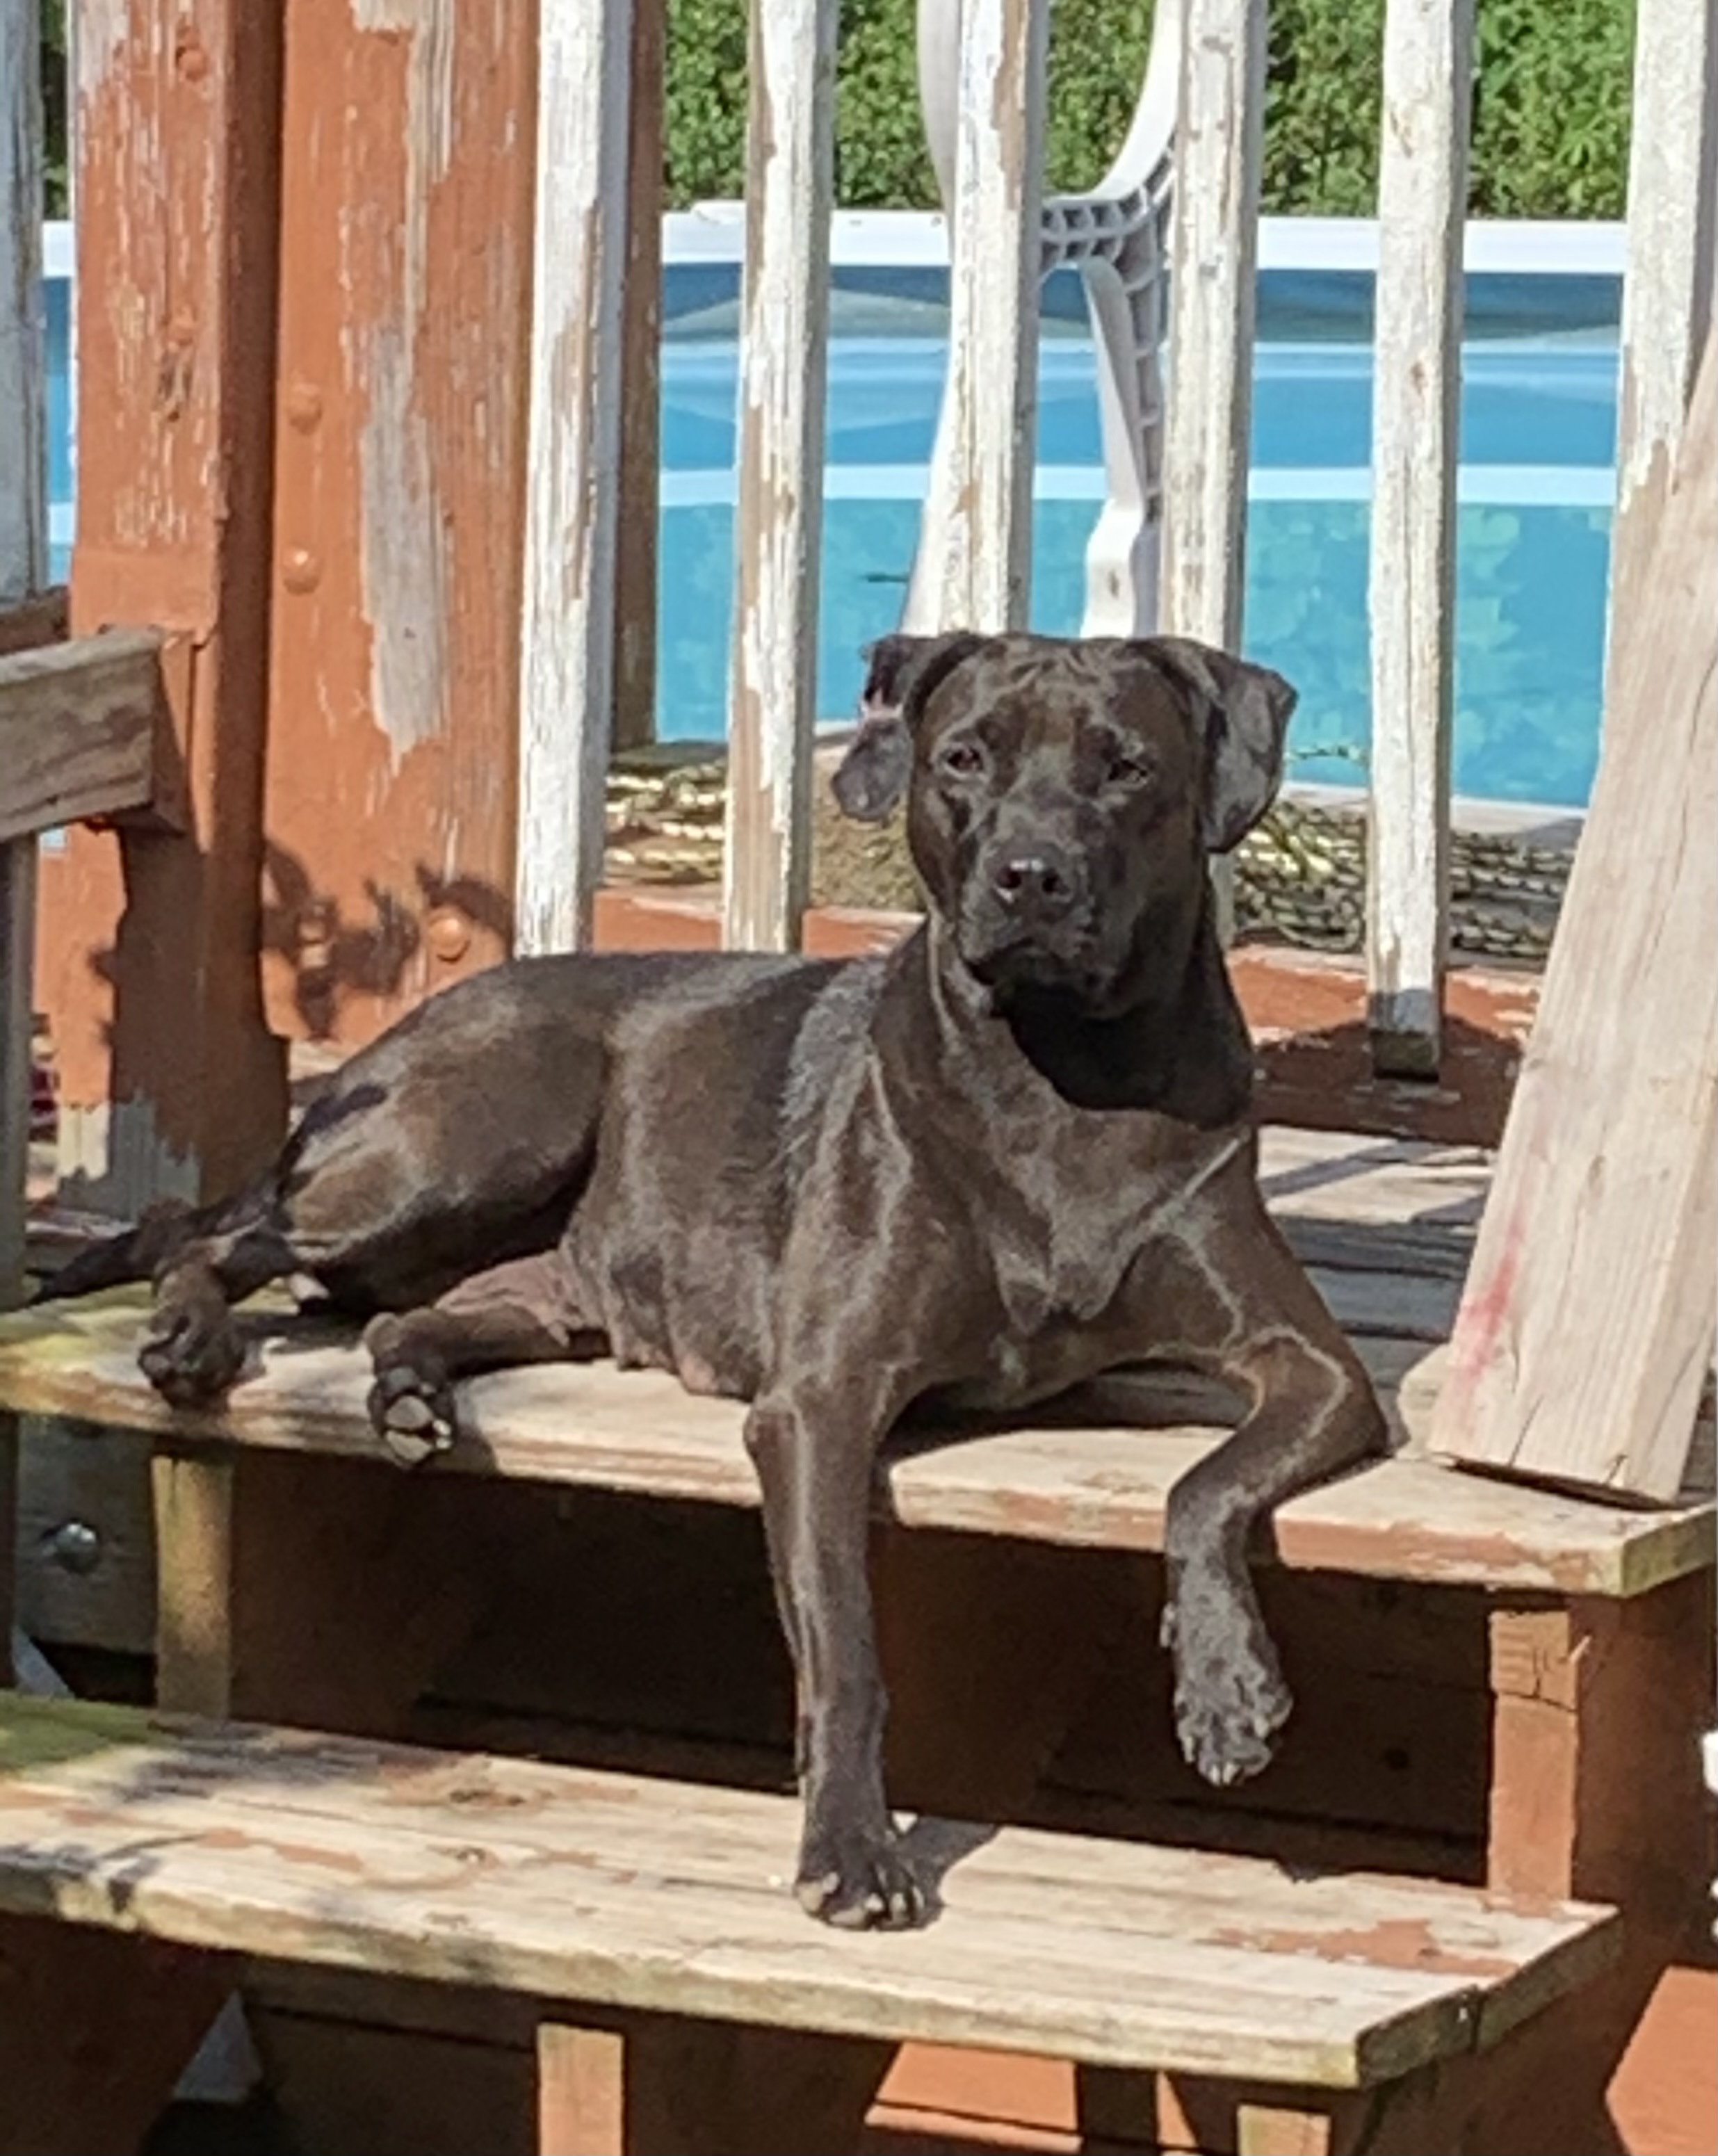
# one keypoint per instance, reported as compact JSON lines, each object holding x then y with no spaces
{"x":613,"y":1891}
{"x":1384,"y":1224}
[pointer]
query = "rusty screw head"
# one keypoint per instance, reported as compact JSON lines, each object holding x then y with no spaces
{"x":447,"y":933}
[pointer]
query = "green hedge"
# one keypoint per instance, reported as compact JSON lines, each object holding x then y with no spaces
{"x":1551,"y":121}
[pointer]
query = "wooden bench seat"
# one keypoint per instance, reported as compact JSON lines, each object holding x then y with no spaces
{"x":600,"y":1891}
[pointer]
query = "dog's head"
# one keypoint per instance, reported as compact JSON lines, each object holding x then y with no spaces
{"x":1063,"y":795}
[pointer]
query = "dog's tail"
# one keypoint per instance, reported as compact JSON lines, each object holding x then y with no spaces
{"x":136,"y":1253}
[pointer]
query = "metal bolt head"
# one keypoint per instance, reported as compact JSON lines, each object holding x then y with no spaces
{"x":74,"y":1546}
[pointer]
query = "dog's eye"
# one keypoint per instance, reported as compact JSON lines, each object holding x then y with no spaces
{"x":963,"y":758}
{"x":1128,"y":771}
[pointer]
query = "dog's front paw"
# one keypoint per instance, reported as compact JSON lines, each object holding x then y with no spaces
{"x":1230,"y":1696}
{"x":191,"y":1354}
{"x":859,"y":1879}
{"x":412,"y":1412}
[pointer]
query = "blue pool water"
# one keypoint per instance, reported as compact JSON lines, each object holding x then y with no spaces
{"x":1538,"y":426}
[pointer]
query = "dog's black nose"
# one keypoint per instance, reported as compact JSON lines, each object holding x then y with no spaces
{"x":1036,"y":880}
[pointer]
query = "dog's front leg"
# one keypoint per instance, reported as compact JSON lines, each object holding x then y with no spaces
{"x":815,"y":1461}
{"x":1240,"y":1305}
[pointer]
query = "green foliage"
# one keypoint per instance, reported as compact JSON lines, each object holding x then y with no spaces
{"x":1550,"y":115}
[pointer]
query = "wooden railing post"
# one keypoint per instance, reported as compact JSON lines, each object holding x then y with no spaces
{"x":1416,"y":404}
{"x":778,"y":526}
{"x":1673,"y":256}
{"x":995,"y":238}
{"x":573,"y":459}
{"x":24,"y":567}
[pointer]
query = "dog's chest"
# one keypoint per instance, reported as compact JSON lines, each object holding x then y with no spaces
{"x":1076,"y":1224}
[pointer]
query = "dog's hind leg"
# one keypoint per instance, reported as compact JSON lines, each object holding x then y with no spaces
{"x":522,"y":1312}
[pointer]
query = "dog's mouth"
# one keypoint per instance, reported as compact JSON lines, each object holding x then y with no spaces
{"x":1009,"y":963}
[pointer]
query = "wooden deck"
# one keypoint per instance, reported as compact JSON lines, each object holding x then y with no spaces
{"x":1386,"y":1227}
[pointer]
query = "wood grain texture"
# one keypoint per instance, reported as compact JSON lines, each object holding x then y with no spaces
{"x":1097,"y":1474}
{"x":574,"y":1885}
{"x":1219,"y":140}
{"x":1667,"y":290}
{"x":1586,"y":1328}
{"x":995,"y":221}
{"x":779,"y":527}
{"x":573,"y":450}
{"x":1423,"y":193}
{"x":169,"y":1081}
{"x":1101,"y":1484}
{"x":78,"y":730}
{"x":23,"y":570}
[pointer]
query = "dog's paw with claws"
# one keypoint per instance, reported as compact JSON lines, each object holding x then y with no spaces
{"x":412,"y":1414}
{"x":190,"y":1355}
{"x":858,"y":1880}
{"x":1230,"y":1696}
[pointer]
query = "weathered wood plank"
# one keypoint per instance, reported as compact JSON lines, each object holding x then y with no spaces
{"x":779,"y":527}
{"x":23,"y":570}
{"x":639,"y":479}
{"x":570,"y":1884}
{"x":1587,"y":1329}
{"x":169,"y":1082}
{"x":573,"y":450}
{"x":1667,"y":290}
{"x":1101,"y":1482}
{"x":1423,"y":193}
{"x":1218,"y":145}
{"x":27,"y":623}
{"x":994,"y":239}
{"x":78,"y":724}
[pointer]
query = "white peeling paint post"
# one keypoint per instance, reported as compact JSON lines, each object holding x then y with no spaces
{"x":23,"y":570}
{"x":1423,"y":186}
{"x":1218,"y":148}
{"x":1673,"y":255}
{"x":995,"y":242}
{"x":572,"y":506}
{"x":778,"y":532}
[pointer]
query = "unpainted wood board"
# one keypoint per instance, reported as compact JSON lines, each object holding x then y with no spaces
{"x":1667,"y":285}
{"x":78,"y":723}
{"x":1106,"y":1486}
{"x":579,"y":1885}
{"x":1587,"y":1329}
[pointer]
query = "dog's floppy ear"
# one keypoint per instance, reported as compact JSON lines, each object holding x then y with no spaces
{"x":1243,"y":712}
{"x":903,"y":670}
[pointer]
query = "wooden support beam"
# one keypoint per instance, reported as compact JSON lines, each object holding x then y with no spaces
{"x":79,"y":728}
{"x":23,"y":570}
{"x":1667,"y":290}
{"x":405,"y":220}
{"x":1422,"y":193}
{"x":574,"y":448}
{"x":27,"y":623}
{"x":635,"y":593}
{"x":1586,"y":1328}
{"x":778,"y":525}
{"x":169,"y":1082}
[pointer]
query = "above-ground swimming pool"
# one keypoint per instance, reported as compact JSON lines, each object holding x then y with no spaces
{"x":1536,"y":483}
